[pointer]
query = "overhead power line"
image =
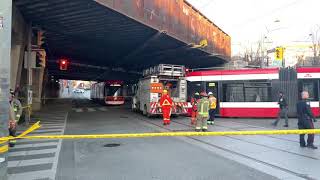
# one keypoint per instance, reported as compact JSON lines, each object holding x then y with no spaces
{"x":281,"y":8}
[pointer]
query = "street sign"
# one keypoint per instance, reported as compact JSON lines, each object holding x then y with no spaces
{"x":279,"y":53}
{"x":212,"y":84}
{"x":203,"y":43}
{"x":1,"y":22}
{"x":32,"y":63}
{"x":29,"y":97}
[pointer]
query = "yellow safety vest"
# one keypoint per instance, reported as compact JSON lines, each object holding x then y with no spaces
{"x":203,"y":107}
{"x":213,"y":102}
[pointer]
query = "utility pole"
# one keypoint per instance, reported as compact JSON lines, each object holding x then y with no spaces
{"x":29,"y":72}
{"x":5,"y":59}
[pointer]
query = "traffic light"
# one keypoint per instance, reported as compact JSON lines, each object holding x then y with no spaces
{"x":63,"y":64}
{"x":40,"y":38}
{"x":41,"y":58}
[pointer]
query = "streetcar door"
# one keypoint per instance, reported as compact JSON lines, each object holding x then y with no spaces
{"x":312,"y":86}
{"x":213,"y":87}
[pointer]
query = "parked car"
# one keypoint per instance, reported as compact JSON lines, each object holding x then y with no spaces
{"x":78,"y":91}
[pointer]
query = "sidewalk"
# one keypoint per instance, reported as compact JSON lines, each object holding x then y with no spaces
{"x":37,"y":159}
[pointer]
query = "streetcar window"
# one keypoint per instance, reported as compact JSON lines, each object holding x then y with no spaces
{"x":257,"y":92}
{"x":233,"y":92}
{"x":312,"y":87}
{"x":247,"y":92}
{"x":113,"y":90}
{"x":194,"y":87}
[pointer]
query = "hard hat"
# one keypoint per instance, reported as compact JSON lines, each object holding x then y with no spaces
{"x":165,"y":91}
{"x":210,"y":93}
{"x":203,"y":94}
{"x":197,"y":94}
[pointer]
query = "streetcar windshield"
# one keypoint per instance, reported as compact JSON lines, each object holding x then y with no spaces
{"x":113,"y":90}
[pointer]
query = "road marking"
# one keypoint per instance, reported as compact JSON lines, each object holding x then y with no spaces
{"x":30,"y":162}
{"x":34,"y":175}
{"x":37,"y":159}
{"x":79,"y":110}
{"x":21,"y":153}
{"x":55,"y":162}
{"x":103,"y":109}
{"x":35,"y":145}
{"x":91,"y":110}
{"x":24,"y":169}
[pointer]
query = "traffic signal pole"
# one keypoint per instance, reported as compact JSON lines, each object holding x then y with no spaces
{"x":29,"y":72}
{"x":5,"y":50}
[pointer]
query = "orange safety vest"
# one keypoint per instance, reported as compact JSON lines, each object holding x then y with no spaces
{"x":166,"y":100}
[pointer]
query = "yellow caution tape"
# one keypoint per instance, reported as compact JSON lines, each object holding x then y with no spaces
{"x":3,"y":140}
{"x":32,"y":128}
{"x":4,"y":149}
{"x":168,"y":134}
{"x":24,"y":107}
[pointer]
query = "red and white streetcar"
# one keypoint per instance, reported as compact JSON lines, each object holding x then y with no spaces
{"x":254,"y":92}
{"x":108,"y":92}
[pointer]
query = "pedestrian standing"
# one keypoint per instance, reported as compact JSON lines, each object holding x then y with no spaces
{"x":283,"y":111}
{"x":203,"y":112}
{"x":194,"y":103}
{"x":305,"y":118}
{"x":166,"y":105}
{"x":213,"y":106}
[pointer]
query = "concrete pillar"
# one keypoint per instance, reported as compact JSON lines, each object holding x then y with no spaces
{"x":5,"y":48}
{"x":18,"y":73}
{"x":37,"y":85}
{"x":17,"y":47}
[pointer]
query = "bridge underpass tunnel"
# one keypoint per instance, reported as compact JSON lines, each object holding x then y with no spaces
{"x":107,"y":40}
{"x":85,"y":60}
{"x":126,"y":36}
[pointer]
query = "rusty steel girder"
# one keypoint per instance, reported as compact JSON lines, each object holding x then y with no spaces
{"x":178,"y":18}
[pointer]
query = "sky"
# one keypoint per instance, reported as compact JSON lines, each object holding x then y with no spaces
{"x":282,"y":22}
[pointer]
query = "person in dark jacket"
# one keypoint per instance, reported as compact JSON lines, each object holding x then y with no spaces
{"x":283,"y":112}
{"x":305,"y":118}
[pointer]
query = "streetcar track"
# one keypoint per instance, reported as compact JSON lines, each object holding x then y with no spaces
{"x":272,"y":148}
{"x":304,"y":176}
{"x":253,"y":126}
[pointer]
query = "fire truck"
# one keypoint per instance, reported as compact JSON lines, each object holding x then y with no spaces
{"x":149,"y":90}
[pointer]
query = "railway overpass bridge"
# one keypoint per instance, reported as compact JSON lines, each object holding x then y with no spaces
{"x":102,"y":39}
{"x":108,"y":39}
{"x":123,"y":35}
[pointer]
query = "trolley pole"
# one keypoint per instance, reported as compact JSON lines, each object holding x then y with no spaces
{"x":5,"y":50}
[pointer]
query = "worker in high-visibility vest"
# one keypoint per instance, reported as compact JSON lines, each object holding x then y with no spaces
{"x":166,"y":105}
{"x":213,"y":106}
{"x":203,"y":112}
{"x":194,"y":104}
{"x":12,"y":124}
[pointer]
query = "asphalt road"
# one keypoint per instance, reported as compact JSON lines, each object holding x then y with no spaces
{"x":166,"y":158}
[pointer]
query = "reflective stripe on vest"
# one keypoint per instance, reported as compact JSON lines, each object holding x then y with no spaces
{"x":204,"y":107}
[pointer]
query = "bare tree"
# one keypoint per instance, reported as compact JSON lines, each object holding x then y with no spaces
{"x":315,"y":37}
